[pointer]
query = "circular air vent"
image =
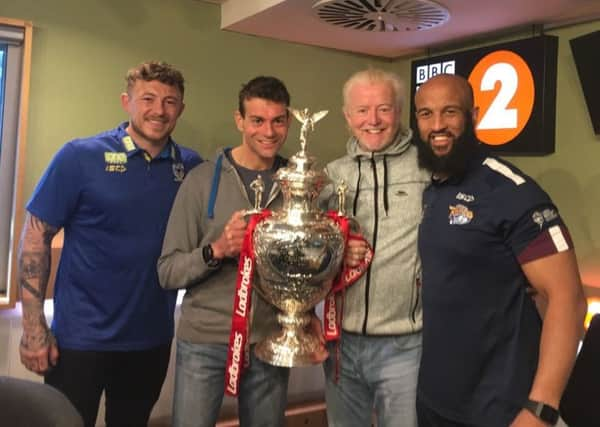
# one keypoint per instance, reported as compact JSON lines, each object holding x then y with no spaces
{"x":382,"y":15}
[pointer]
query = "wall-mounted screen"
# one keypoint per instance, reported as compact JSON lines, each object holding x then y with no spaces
{"x":585,"y":53}
{"x":514,"y":85}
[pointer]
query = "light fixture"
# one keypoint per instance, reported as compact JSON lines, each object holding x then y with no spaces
{"x":593,"y":309}
{"x":382,"y":15}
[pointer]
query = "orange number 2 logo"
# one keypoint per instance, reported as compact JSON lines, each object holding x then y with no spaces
{"x":504,"y":91}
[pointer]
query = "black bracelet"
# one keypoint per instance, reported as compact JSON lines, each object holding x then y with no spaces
{"x":544,"y":412}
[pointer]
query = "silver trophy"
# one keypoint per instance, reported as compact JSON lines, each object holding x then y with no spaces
{"x":298,"y":251}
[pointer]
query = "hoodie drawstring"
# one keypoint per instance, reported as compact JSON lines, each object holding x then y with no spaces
{"x":385,"y":185}
{"x":355,"y":201}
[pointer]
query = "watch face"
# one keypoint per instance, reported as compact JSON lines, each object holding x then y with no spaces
{"x":549,"y":414}
{"x":208,"y":256}
{"x":207,"y":253}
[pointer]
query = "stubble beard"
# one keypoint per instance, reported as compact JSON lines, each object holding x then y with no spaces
{"x":155,"y":142}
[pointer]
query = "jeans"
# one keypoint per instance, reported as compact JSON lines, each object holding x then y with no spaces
{"x":375,"y":373}
{"x":200,"y":385}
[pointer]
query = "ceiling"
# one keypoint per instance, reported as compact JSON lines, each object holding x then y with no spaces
{"x":297,"y":21}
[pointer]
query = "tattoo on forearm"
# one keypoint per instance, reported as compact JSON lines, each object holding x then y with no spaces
{"x":32,"y":290}
{"x":33,"y":265}
{"x":34,"y":257}
{"x":35,"y":329}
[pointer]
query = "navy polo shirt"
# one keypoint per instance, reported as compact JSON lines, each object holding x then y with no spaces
{"x":113,"y":202}
{"x":481,"y":331}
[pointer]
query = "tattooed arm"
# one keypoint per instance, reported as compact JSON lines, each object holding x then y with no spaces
{"x":38,"y":347}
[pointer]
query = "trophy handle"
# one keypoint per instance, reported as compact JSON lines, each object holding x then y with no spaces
{"x":258,"y":186}
{"x":341,"y":192}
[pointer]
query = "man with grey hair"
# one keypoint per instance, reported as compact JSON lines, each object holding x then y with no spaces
{"x":375,"y":367}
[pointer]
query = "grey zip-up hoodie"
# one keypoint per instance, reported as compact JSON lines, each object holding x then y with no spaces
{"x":208,"y":302}
{"x":384,"y":191}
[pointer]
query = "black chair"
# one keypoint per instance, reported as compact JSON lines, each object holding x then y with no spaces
{"x":26,"y":403}
{"x":580,"y":405}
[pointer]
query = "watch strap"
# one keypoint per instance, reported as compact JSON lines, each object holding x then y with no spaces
{"x":209,"y":256}
{"x":543,"y":411}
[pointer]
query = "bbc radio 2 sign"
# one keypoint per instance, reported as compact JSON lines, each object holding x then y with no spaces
{"x":514,"y":85}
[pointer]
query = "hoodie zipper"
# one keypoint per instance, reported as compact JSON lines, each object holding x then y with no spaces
{"x":374,"y":243}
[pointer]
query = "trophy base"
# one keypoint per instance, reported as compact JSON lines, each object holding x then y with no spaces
{"x":291,"y":347}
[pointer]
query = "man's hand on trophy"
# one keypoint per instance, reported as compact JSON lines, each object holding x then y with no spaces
{"x":356,"y":249}
{"x":317,"y":329}
{"x":229,"y":243}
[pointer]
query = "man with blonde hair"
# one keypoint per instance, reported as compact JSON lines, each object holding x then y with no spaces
{"x":375,"y":368}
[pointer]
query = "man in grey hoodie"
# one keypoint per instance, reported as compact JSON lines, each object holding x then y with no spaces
{"x":376,"y":366}
{"x":200,"y":254}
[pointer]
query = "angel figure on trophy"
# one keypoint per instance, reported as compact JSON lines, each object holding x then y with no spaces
{"x":308,"y":122}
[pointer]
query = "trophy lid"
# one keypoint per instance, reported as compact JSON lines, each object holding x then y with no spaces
{"x":301,"y":164}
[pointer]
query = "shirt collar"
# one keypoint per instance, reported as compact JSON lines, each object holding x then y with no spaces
{"x":131,"y":148}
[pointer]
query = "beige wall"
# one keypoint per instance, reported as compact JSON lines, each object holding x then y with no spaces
{"x":571,"y":174}
{"x":82,"y":49}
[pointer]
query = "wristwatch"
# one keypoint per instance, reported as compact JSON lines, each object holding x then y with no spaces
{"x":209,"y":256}
{"x":544,"y":412}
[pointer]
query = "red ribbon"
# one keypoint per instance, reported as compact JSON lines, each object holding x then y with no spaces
{"x":332,"y":313}
{"x":238,"y":356}
{"x":333,"y":309}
